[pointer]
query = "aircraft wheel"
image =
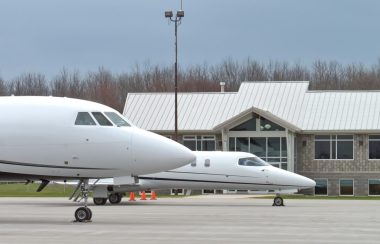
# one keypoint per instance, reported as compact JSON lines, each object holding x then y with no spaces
{"x":83,"y":214}
{"x":100,"y":201}
{"x":278,"y":201}
{"x":115,"y":198}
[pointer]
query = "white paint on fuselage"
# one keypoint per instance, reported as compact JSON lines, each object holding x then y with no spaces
{"x":225,"y":173}
{"x":38,"y":137}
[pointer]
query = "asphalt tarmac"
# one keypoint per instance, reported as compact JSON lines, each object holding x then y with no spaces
{"x":212,"y":219}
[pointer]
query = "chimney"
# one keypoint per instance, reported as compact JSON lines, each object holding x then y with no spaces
{"x":222,"y":84}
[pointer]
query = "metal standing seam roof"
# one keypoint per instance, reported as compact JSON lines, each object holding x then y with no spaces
{"x":288,"y":102}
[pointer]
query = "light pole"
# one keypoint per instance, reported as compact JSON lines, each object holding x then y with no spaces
{"x":177,"y":21}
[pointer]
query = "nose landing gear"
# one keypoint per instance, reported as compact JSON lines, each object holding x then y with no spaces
{"x":278,"y":201}
{"x":84,"y":214}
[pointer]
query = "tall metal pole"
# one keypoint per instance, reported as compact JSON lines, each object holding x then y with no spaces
{"x":176,"y":85}
{"x":177,"y":20}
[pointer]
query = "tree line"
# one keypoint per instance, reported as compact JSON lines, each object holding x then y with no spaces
{"x":111,"y":89}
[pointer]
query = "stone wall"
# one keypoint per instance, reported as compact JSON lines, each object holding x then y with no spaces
{"x":360,"y":168}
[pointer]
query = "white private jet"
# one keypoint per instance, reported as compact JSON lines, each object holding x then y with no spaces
{"x":50,"y":138}
{"x":210,"y":170}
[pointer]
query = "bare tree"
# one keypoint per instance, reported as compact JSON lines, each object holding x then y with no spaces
{"x":32,"y":84}
{"x":102,"y":87}
{"x":3,"y":88}
{"x":111,"y":89}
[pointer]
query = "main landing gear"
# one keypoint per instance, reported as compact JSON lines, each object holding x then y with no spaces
{"x":278,"y":201}
{"x":113,"y":198}
{"x":83,"y":214}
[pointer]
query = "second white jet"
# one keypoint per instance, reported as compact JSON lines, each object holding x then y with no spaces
{"x":211,"y":170}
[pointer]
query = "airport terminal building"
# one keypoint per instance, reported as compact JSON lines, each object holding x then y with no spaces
{"x":332,"y":137}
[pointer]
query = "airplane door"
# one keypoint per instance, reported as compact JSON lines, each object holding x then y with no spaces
{"x":265,"y":172}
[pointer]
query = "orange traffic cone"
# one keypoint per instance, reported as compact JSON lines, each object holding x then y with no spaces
{"x":132,"y":197}
{"x":153,"y":195}
{"x":143,"y":196}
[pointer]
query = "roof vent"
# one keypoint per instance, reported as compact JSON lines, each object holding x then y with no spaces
{"x":222,"y":85}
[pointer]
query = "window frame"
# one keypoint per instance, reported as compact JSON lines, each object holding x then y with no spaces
{"x":278,"y":161}
{"x":120,"y":117}
{"x":264,"y":163}
{"x":353,"y":187}
{"x":203,"y":138}
{"x":331,"y":140}
{"x":369,"y":140}
{"x":327,"y":187}
{"x":370,"y":195}
{"x":92,"y":117}
{"x":101,"y":113}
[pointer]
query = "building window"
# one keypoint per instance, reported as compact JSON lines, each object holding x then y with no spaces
{"x":266,"y":125}
{"x":346,"y":187}
{"x":334,"y":147}
{"x":199,"y":143}
{"x":373,"y":187}
{"x":249,"y":125}
{"x":374,"y":147}
{"x":321,"y":187}
{"x":271,"y":149}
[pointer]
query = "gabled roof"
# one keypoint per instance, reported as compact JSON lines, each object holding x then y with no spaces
{"x":290,"y":104}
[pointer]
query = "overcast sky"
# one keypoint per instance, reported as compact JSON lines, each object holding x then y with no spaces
{"x":46,"y":35}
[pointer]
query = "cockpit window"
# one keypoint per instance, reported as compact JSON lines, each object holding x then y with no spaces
{"x":102,"y":120}
{"x":116,"y":119}
{"x":252,"y":161}
{"x":84,"y":118}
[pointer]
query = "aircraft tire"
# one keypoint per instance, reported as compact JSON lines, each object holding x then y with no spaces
{"x":115,"y":198}
{"x":99,"y":201}
{"x":83,"y":214}
{"x":278,"y":201}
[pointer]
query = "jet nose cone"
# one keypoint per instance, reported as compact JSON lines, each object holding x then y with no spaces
{"x":303,"y":182}
{"x":154,"y":153}
{"x":289,"y":179}
{"x":309,"y":183}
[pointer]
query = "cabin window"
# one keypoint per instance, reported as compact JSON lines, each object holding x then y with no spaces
{"x":116,"y":119}
{"x":102,"y":120}
{"x":194,"y":163}
{"x":252,"y":161}
{"x":84,"y":118}
{"x":207,"y":163}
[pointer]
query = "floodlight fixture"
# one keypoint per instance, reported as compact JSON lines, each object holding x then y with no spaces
{"x":168,"y":14}
{"x":180,"y":13}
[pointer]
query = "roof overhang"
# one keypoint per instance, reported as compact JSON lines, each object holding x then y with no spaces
{"x":169,"y":132}
{"x":335,"y":131}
